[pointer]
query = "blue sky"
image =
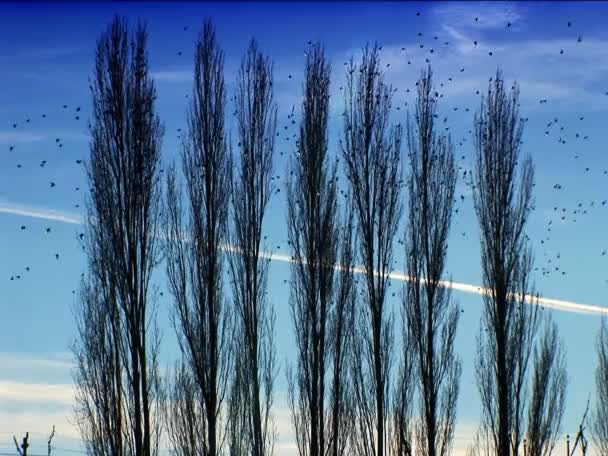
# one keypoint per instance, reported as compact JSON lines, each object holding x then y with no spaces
{"x":46,"y":57}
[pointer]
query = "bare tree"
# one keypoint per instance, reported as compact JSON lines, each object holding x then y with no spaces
{"x":22,"y":449}
{"x":503,"y":201}
{"x":371,"y":150}
{"x":252,"y":188}
{"x":117,"y":378}
{"x":432,"y":316}
{"x":321,"y":296}
{"x":548,"y":396}
{"x":50,"y":441}
{"x":401,"y":442}
{"x":599,"y":422}
{"x":195,"y":267}
{"x":580,"y":436}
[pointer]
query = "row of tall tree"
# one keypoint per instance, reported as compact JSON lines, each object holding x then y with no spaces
{"x":357,"y":385}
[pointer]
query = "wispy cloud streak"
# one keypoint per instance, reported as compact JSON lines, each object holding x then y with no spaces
{"x":40,"y":213}
{"x":478,"y":15}
{"x":15,"y":360}
{"x":36,"y":392}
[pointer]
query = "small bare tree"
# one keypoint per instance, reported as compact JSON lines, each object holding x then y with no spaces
{"x":321,"y":296}
{"x":22,"y":449}
{"x":432,"y":316}
{"x":599,"y":422}
{"x":580,"y":436}
{"x":50,"y":441}
{"x":251,"y":190}
{"x":503,"y":201}
{"x":548,"y":396}
{"x":194,"y":257}
{"x":117,"y":378}
{"x":371,"y":149}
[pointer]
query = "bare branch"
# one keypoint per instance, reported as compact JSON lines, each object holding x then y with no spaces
{"x":51,"y":440}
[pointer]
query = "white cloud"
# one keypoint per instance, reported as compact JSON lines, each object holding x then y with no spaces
{"x":536,"y":64}
{"x":36,"y":392}
{"x":13,"y":360}
{"x":478,"y":15}
{"x":39,"y":426}
{"x":39,"y":422}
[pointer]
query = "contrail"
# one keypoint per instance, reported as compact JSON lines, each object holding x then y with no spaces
{"x":557,"y":304}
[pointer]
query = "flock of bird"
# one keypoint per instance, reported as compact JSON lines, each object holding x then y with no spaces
{"x":554,"y":128}
{"x":59,"y":143}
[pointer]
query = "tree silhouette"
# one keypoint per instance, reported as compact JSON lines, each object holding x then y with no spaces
{"x":321,"y":296}
{"x":599,"y":424}
{"x":116,"y":376}
{"x":548,"y":397}
{"x":194,"y":258}
{"x":252,"y":187}
{"x":503,"y":201}
{"x":371,"y":150}
{"x":432,"y":317}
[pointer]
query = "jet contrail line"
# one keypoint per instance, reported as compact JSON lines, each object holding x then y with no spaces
{"x":552,"y":303}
